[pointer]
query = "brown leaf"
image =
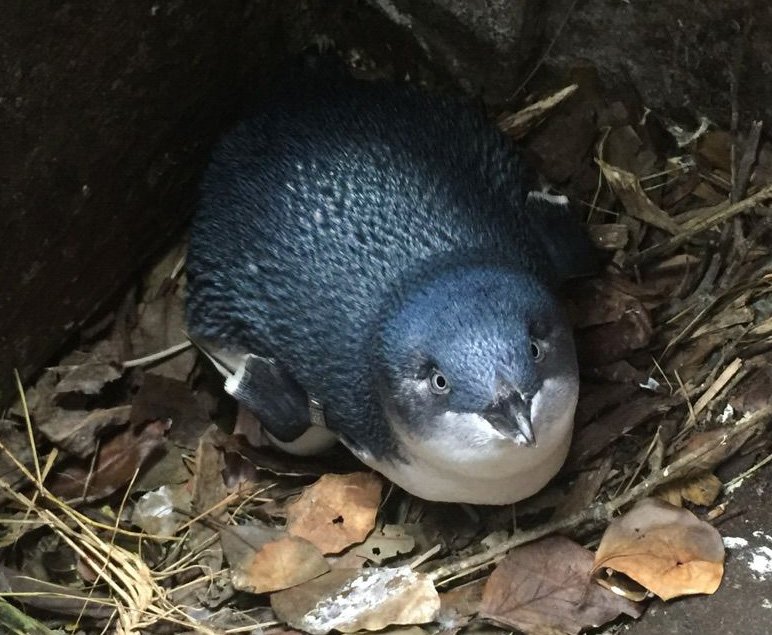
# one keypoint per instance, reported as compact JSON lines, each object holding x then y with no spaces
{"x":161,"y":397}
{"x":348,"y":601}
{"x":664,"y":548}
{"x":116,"y":463}
{"x":208,"y":494}
{"x":702,"y":490}
{"x":77,"y":431}
{"x":337,"y":511}
{"x":386,"y":543}
{"x":753,"y":393}
{"x":161,"y":326}
{"x":546,"y":587}
{"x":594,"y":437}
{"x":15,"y":440}
{"x":55,"y":598}
{"x":585,"y":488}
{"x":458,"y":604}
{"x":88,"y":378}
{"x":263,"y":559}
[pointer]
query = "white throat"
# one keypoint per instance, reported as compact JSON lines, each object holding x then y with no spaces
{"x":464,"y":459}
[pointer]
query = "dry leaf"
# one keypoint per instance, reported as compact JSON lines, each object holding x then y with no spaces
{"x":546,"y":587}
{"x":209,"y":492}
{"x":664,"y":548}
{"x":458,"y":605}
{"x":88,"y":378}
{"x":263,"y":559}
{"x":161,"y":397}
{"x":585,"y":488}
{"x":592,"y":438}
{"x":16,"y":443}
{"x":348,"y":601}
{"x":161,"y":326}
{"x":337,"y":511}
{"x":702,"y":490}
{"x":389,"y":542}
{"x":77,"y":431}
{"x":118,"y":460}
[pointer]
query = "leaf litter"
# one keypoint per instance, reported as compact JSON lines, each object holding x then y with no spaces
{"x":130,"y":508}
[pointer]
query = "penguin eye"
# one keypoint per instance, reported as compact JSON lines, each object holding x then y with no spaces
{"x":439,"y":383}
{"x":537,"y":351}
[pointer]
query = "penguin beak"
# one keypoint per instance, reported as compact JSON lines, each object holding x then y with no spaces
{"x":511,"y":416}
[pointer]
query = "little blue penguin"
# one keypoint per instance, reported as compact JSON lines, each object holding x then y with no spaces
{"x":366,"y":266}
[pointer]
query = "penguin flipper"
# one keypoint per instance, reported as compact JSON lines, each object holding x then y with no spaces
{"x":569,"y":247}
{"x":269,"y":391}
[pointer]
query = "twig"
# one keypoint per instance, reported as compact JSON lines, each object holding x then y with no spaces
{"x":154,"y":357}
{"x":519,"y":123}
{"x":601,"y":512}
{"x":748,"y":472}
{"x":700,"y":226}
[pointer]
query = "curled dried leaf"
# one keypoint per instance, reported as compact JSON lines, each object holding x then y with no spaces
{"x":664,"y":548}
{"x":264,"y":559}
{"x":337,"y":511}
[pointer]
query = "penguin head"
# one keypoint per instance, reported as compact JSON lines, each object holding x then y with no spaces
{"x":475,"y":363}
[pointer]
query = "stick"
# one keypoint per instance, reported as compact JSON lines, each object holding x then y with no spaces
{"x":700,"y":226}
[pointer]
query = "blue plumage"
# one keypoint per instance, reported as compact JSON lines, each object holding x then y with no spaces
{"x":360,"y":235}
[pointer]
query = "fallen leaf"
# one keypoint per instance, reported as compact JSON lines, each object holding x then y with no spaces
{"x":337,"y":511}
{"x":263,"y":559}
{"x":387,"y":543}
{"x":703,"y":490}
{"x":368,"y":599}
{"x":753,"y":393}
{"x":162,"y":397}
{"x":209,"y":492}
{"x":161,"y":326}
{"x":88,"y":378}
{"x":584,"y":489}
{"x":78,"y":431}
{"x":546,"y":587}
{"x":15,"y":442}
{"x":55,"y":598}
{"x":592,"y":438}
{"x":664,"y":548}
{"x":117,"y":461}
{"x":460,"y":603}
